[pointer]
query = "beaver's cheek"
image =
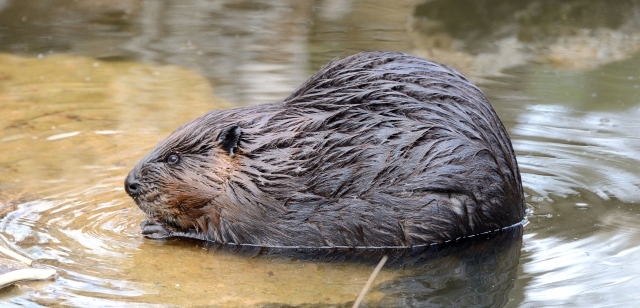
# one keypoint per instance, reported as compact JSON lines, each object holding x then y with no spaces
{"x":194,"y":192}
{"x":190,"y":200}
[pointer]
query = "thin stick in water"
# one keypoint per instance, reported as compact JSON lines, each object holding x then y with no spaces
{"x":370,"y":281}
{"x":23,"y":274}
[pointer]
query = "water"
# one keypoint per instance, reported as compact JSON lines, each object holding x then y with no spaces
{"x":87,"y":88}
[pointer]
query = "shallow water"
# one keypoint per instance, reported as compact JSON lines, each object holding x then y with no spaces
{"x":87,"y":88}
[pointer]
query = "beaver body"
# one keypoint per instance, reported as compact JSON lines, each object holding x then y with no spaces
{"x":377,"y":149}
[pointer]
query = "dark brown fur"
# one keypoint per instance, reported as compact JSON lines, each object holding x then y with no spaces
{"x":376,"y":149}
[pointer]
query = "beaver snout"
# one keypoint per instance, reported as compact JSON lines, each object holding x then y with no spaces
{"x":132,"y":185}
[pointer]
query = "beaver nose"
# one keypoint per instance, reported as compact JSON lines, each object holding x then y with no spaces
{"x":132,"y":185}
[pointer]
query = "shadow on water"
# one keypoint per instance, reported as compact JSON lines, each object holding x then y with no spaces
{"x":478,"y":271}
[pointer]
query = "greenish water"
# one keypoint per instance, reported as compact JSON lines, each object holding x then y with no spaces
{"x":88,"y":87}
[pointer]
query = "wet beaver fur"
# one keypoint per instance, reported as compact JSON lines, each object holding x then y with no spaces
{"x":376,"y":149}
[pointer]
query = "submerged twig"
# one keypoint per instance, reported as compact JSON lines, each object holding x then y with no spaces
{"x":370,"y":281}
{"x":15,"y":255}
{"x":28,"y":273}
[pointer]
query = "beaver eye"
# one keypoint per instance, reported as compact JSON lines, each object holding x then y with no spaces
{"x":172,"y":159}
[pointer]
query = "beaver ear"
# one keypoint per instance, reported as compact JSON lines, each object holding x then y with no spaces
{"x":229,"y":138}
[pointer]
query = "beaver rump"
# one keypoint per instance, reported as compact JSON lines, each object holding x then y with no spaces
{"x":378,"y":149}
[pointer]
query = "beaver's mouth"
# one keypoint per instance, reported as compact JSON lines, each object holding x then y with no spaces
{"x":147,"y":201}
{"x":155,"y":225}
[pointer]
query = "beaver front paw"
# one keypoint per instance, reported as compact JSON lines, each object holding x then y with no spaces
{"x":153,"y":229}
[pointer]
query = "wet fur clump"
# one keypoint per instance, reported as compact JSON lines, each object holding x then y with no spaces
{"x":376,"y":149}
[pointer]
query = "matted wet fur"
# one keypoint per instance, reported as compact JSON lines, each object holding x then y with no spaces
{"x":376,"y":149}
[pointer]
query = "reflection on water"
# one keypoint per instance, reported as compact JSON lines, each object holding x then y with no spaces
{"x":99,"y":83}
{"x":605,"y":137}
{"x":606,"y":270}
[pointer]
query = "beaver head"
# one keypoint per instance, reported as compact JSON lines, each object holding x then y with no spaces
{"x":175,"y":181}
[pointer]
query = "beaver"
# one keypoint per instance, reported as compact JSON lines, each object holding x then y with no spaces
{"x":378,"y":149}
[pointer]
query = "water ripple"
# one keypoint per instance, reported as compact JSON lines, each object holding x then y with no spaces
{"x":563,"y":151}
{"x":603,"y":268}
